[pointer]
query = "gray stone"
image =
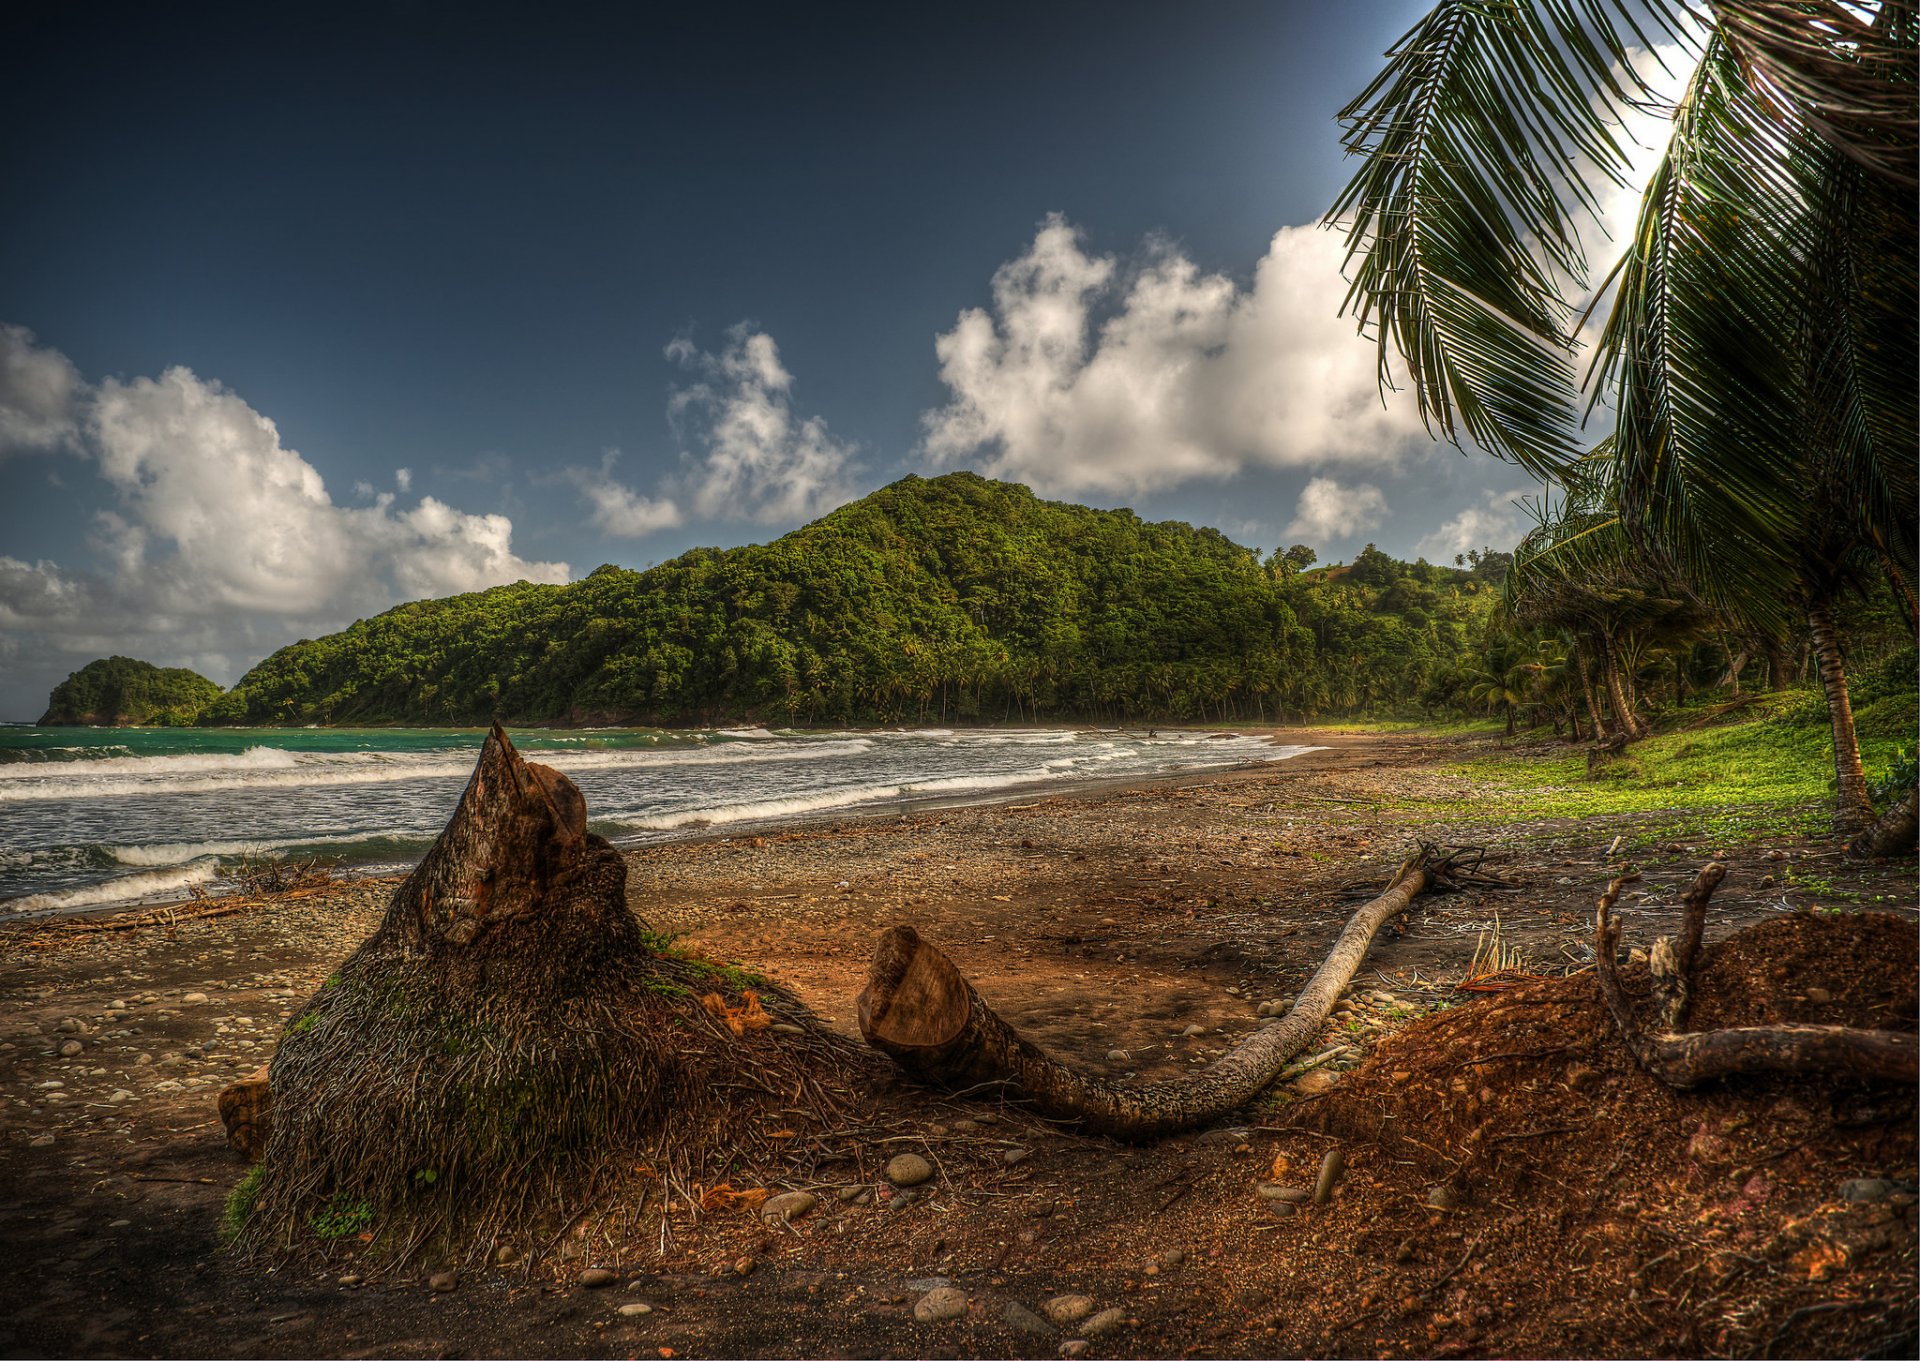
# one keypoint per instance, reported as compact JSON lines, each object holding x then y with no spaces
{"x":443,"y":1281}
{"x":635,"y":1310}
{"x":1314,"y":1081}
{"x":506,"y":1256}
{"x":1867,"y":1190}
{"x":1292,"y":1195}
{"x":1192,"y":1032}
{"x":40,"y":1141}
{"x":789,"y":1205}
{"x":1063,"y":1311}
{"x":850,"y":1194}
{"x":1014,"y":1156}
{"x":1116,"y":1056}
{"x":785,"y":1028}
{"x":1173,"y":1257}
{"x":1023,"y":1320}
{"x":71,"y":1048}
{"x":351,"y":1279}
{"x":595,"y":1277}
{"x":1103,"y":1322}
{"x":1443,"y":1197}
{"x":194,"y":997}
{"x":1332,"y":1168}
{"x":908,"y":1169}
{"x":940,"y":1304}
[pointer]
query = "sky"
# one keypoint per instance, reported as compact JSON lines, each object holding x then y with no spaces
{"x":309,"y":310}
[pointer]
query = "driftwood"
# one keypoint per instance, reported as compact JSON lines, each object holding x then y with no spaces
{"x":1893,"y":833}
{"x":918,"y":1009}
{"x":1687,"y":1058}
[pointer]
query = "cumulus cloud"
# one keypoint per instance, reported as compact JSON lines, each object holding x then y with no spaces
{"x":746,"y":454}
{"x":1328,"y":511}
{"x":618,"y":510}
{"x":1496,"y":522}
{"x":1085,"y":376}
{"x":40,"y":394}
{"x":221,"y":540}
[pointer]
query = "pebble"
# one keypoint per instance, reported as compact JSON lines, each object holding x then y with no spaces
{"x":1079,"y":1346}
{"x":789,"y":1205}
{"x":1193,"y":1031}
{"x":506,"y":1256}
{"x":1113,"y":1055}
{"x":635,"y":1310}
{"x":1014,"y":1156}
{"x":1867,"y":1190}
{"x":1063,"y":1311}
{"x":940,"y":1304}
{"x":786,"y":1028}
{"x":1023,"y":1320}
{"x":351,"y":1279}
{"x":849,"y":1194}
{"x":71,"y":1048}
{"x":1103,"y":1322}
{"x":144,"y":1061}
{"x":194,"y":997}
{"x":1331,"y":1168}
{"x":1173,"y":1257}
{"x":72,"y":1026}
{"x":908,"y":1169}
{"x":120,"y":1094}
{"x":116,"y":1005}
{"x":1819,"y":996}
{"x":1292,"y":1195}
{"x":1314,"y":1081}
{"x":41,"y":1141}
{"x":596,"y":1276}
{"x":442,"y":1281}
{"x":1442,"y":1197}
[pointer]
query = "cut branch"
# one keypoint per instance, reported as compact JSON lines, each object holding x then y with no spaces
{"x":1688,"y":1059}
{"x":1671,"y":963}
{"x":918,"y":1009}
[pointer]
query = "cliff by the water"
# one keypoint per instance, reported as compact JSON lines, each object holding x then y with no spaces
{"x":117,"y":692}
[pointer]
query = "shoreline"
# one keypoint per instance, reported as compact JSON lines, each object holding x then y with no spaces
{"x":1319,"y":742}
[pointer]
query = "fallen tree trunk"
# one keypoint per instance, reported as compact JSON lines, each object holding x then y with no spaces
{"x":1686,"y":1059}
{"x":1893,"y":833}
{"x":918,"y":1009}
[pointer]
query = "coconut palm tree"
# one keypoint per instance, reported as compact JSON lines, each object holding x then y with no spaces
{"x":1759,"y":354}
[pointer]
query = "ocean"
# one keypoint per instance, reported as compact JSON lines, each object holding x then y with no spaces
{"x":96,"y":817}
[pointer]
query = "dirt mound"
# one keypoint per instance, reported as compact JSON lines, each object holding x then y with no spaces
{"x":1709,"y":1221}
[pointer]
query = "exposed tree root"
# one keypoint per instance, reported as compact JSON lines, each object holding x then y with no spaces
{"x":1686,"y":1059}
{"x":918,"y":1009}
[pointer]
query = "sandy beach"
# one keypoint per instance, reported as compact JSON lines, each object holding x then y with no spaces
{"x":1105,"y":923}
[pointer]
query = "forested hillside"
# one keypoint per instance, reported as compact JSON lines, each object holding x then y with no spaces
{"x":942,"y":600}
{"x":117,"y":691}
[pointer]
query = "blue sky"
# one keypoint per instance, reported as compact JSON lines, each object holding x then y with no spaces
{"x":608,"y":285}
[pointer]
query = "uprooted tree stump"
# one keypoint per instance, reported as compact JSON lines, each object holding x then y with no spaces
{"x":1685,"y":1059}
{"x":918,"y":1009}
{"x":509,"y":1043}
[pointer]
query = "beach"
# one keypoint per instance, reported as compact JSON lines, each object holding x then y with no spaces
{"x":1106,"y":922}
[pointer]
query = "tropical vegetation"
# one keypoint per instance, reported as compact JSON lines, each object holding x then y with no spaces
{"x":1756,"y":369}
{"x":121,"y":692}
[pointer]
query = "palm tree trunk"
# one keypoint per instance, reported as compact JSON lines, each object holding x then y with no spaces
{"x":1593,"y":700}
{"x":1778,"y":660}
{"x":1853,"y":809}
{"x":1617,"y":691}
{"x":1893,"y":834}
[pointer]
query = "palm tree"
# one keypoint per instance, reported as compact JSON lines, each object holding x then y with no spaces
{"x":1759,"y":355}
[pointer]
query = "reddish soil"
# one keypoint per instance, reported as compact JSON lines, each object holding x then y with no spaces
{"x":1582,"y":1209}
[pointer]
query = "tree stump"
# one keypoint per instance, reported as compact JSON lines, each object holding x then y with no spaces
{"x":507,"y":1041}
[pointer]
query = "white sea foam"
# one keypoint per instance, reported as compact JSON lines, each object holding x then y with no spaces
{"x":125,"y":889}
{"x":763,"y":810}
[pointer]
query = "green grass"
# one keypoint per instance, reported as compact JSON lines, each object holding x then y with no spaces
{"x":1758,"y":778}
{"x":240,"y":1202}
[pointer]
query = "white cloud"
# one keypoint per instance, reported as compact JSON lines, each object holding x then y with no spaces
{"x":1085,"y":377}
{"x":746,"y":455}
{"x":40,"y":394}
{"x":223,"y":542}
{"x":1497,"y":522}
{"x":1329,"y":511}
{"x":617,"y":509}
{"x":403,"y":479}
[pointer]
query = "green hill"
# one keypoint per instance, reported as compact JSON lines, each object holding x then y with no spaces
{"x":116,"y":692}
{"x":950,"y":599}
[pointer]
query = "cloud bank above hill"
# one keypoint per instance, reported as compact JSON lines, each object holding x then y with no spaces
{"x":220,"y":540}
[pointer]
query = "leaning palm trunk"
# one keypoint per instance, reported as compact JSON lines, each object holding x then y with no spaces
{"x":1892,"y":834}
{"x":1853,"y":809}
{"x":1617,"y":692}
{"x":1593,"y":701}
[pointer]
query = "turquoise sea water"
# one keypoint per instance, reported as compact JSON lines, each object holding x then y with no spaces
{"x":91,"y":817}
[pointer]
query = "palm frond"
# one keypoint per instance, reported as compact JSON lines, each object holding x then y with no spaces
{"x":1481,"y":142}
{"x":1699,"y":349}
